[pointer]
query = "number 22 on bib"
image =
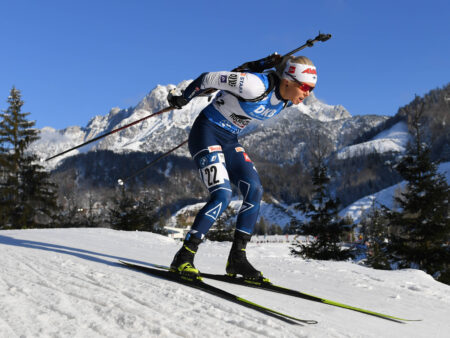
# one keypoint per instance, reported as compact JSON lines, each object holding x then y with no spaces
{"x":213,"y":171}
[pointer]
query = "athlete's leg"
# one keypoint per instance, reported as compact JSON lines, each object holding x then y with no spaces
{"x":244,"y":175}
{"x":214,"y":175}
{"x":205,"y":147}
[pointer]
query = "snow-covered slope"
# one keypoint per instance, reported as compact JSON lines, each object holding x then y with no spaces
{"x":383,"y":197}
{"x":393,"y":139}
{"x":67,"y":283}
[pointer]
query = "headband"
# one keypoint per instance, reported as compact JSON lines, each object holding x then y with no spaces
{"x":300,"y":72}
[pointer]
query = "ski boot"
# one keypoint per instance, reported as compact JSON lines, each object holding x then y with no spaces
{"x":183,"y":262}
{"x":237,"y":263}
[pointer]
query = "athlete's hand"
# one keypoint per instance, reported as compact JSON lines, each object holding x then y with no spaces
{"x":260,"y":65}
{"x":271,"y":60}
{"x":176,"y":101}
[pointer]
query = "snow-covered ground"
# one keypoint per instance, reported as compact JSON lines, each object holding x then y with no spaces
{"x":67,"y":283}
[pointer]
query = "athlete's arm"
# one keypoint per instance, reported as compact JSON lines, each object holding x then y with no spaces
{"x":245,"y":85}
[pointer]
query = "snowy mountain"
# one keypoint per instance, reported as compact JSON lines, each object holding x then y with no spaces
{"x":394,"y":139}
{"x":160,"y":133}
{"x":384,"y":197}
{"x":67,"y":283}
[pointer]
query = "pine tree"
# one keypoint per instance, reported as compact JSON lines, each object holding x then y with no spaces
{"x":27,"y":197}
{"x":375,"y":235}
{"x":131,"y":214}
{"x":324,"y":223}
{"x":91,"y":217}
{"x":421,"y":228}
{"x":261,"y":227}
{"x":275,"y":229}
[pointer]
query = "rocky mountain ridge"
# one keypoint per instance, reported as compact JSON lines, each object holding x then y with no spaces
{"x":170,"y":129}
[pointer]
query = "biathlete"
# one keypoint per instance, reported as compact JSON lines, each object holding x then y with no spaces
{"x":221,"y":159}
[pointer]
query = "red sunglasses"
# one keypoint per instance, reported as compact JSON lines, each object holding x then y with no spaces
{"x":303,"y":86}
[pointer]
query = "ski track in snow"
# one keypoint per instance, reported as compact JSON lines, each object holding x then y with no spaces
{"x":67,"y":283}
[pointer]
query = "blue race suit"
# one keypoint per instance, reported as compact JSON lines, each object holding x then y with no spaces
{"x":214,"y":146}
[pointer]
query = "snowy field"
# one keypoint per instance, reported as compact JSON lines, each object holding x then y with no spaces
{"x":67,"y":283}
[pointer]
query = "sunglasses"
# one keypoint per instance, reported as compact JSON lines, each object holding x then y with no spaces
{"x":303,"y":86}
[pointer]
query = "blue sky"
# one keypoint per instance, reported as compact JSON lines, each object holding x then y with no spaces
{"x":73,"y":60}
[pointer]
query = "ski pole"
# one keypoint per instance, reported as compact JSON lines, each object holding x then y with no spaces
{"x":111,"y":132}
{"x":121,"y":181}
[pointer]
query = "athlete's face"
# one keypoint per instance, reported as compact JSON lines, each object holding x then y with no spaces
{"x":294,"y":91}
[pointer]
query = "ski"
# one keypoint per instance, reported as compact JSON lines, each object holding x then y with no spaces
{"x":267,"y":285}
{"x":198,"y":283}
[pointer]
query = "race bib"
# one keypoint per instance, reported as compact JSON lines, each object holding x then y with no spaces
{"x":213,"y":170}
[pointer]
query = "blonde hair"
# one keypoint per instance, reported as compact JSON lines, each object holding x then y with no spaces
{"x":302,"y":60}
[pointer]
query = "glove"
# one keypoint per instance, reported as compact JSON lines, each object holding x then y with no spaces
{"x":269,"y":61}
{"x":259,"y":66}
{"x":176,"y":101}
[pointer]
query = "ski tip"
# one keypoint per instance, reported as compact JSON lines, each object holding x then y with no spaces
{"x":124,"y":262}
{"x":397,"y":319}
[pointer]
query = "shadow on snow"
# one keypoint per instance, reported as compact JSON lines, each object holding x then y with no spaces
{"x":80,"y":253}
